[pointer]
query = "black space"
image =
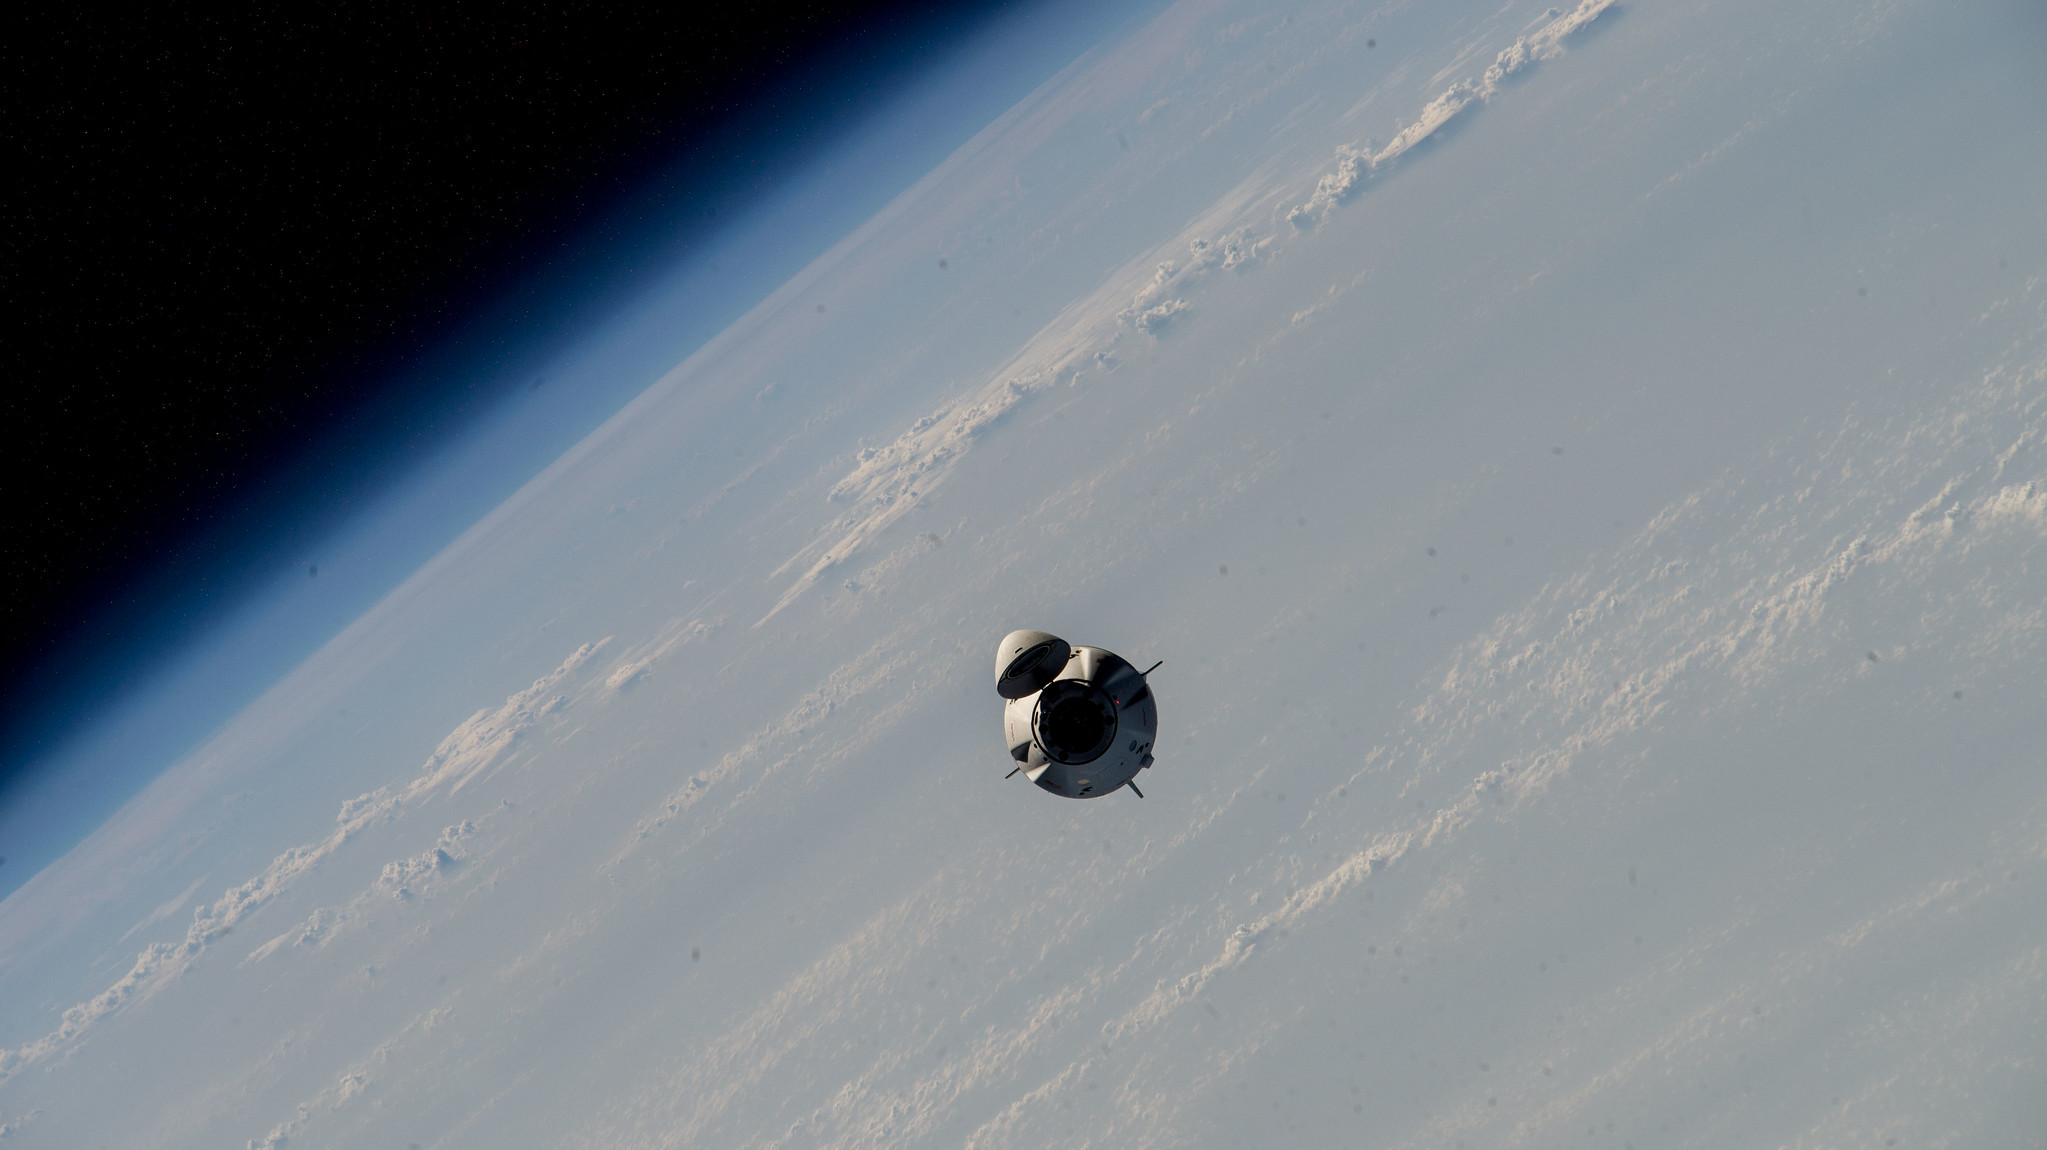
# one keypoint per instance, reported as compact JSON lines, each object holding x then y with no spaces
{"x":224,"y":228}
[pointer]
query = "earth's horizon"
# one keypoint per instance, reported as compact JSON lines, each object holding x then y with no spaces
{"x":1580,"y":466}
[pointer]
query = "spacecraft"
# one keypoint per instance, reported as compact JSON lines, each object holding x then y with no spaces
{"x":1079,"y":721}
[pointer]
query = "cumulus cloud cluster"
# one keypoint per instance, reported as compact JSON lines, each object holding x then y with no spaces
{"x":468,"y":750}
{"x":1356,"y":163}
{"x":1152,"y":309}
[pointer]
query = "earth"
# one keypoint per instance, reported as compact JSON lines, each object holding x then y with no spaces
{"x":1581,"y":467}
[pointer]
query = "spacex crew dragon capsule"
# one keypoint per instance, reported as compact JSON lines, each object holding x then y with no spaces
{"x":1080,"y":721}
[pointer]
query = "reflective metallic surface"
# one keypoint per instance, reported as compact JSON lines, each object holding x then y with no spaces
{"x":1080,"y":721}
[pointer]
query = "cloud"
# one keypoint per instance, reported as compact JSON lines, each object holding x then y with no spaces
{"x":1154,"y":319}
{"x":1546,"y":43}
{"x":1233,"y":252}
{"x":467,"y":751}
{"x":887,"y":481}
{"x":1358,"y":163}
{"x":1353,"y":167}
{"x":169,"y":908}
{"x":358,"y":1079}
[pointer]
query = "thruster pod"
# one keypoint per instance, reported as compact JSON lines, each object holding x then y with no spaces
{"x":1080,"y":721}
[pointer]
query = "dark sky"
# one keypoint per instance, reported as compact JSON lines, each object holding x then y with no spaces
{"x":226,"y":230}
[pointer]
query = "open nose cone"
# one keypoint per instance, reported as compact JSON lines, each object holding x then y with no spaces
{"x":1027,"y":660}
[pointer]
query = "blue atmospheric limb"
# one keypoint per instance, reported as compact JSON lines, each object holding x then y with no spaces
{"x":606,"y":332}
